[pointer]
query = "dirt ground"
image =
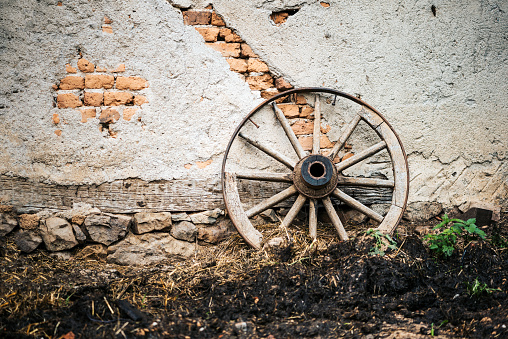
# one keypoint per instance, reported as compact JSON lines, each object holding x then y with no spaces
{"x":325,"y":289}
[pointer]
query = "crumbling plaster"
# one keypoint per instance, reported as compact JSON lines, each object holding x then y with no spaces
{"x":440,"y":81}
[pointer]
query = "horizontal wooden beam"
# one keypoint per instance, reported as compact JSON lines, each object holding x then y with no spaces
{"x":136,"y":195}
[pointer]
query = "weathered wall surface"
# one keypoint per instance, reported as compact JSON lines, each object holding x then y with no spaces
{"x":439,"y":79}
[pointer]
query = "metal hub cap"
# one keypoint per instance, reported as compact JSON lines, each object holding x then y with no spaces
{"x":315,"y":176}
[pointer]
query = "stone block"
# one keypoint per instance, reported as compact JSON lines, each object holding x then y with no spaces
{"x":422,"y":210}
{"x":106,"y":229}
{"x":57,"y":234}
{"x":29,"y":221}
{"x":145,"y":222}
{"x":175,"y":217}
{"x":27,"y":240}
{"x":79,"y":234}
{"x":184,"y":230}
{"x":148,"y":248}
{"x":8,"y":222}
{"x":206,"y":217}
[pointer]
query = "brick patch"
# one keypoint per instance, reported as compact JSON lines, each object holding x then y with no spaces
{"x":93,"y":91}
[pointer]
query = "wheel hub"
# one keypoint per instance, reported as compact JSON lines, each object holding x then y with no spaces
{"x":315,"y":176}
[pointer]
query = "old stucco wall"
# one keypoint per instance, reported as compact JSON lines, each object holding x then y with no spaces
{"x":439,"y":79}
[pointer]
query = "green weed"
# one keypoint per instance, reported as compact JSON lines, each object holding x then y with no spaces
{"x":478,"y":288}
{"x":382,"y":240}
{"x":444,"y":242}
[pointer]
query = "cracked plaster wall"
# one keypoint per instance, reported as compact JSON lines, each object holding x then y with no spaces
{"x":440,"y":81}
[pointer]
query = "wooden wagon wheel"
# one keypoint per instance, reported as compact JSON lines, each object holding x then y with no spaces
{"x":315,"y":176}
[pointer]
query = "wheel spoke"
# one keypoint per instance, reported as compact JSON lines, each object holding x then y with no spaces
{"x":356,"y":205}
{"x":361,"y":156}
{"x":289,"y":132}
{"x":277,"y":177}
{"x":343,"y":138}
{"x":316,"y":135}
{"x":334,"y":217}
{"x":297,"y":206}
{"x":365,"y":182}
{"x":313,"y":218}
{"x":272,"y":201}
{"x":271,"y":152}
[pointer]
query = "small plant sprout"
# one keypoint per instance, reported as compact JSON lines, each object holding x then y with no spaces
{"x":478,"y":288}
{"x":382,"y":241}
{"x":444,"y":242}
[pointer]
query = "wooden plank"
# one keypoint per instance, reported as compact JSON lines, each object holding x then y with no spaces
{"x":272,"y":201}
{"x":391,"y":220}
{"x":370,"y":117}
{"x":289,"y":131}
{"x":361,"y":156}
{"x":136,"y":195}
{"x":277,"y":177}
{"x":313,"y":218}
{"x":316,"y":135}
{"x":365,"y":182}
{"x":400,"y":170}
{"x":332,"y":213}
{"x":270,"y":151}
{"x":293,"y":211}
{"x":237,"y":214}
{"x":344,"y":136}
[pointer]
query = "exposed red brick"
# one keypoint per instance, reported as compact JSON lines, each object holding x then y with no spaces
{"x":247,"y":52}
{"x":300,"y":99}
{"x":279,"y":18}
{"x":119,"y":69}
{"x":267,"y":94}
{"x":302,"y":127}
{"x":260,"y":82}
{"x":131,"y":83}
{"x":203,"y":164}
{"x":129,"y":112}
{"x":93,"y":99}
{"x":306,"y":142}
{"x":209,"y":7}
{"x":197,"y":18}
{"x":88,"y":113}
{"x":59,"y":3}
{"x":118,"y":98}
{"x":282,"y":85}
{"x":229,"y":36}
{"x":324,"y":4}
{"x":140,"y":100}
{"x":347,"y":156}
{"x":217,"y":20}
{"x":99,"y":81}
{"x":85,"y":66}
{"x":209,"y":33}
{"x":68,"y":100}
{"x":55,"y":87}
{"x":306,"y":112}
{"x":187,"y":166}
{"x":256,"y":65}
{"x":107,"y":20}
{"x":58,"y":132}
{"x":56,"y":119}
{"x":107,"y":29}
{"x":290,"y":110}
{"x":237,"y":65}
{"x":70,"y":69}
{"x":228,"y":50}
{"x":72,"y":82}
{"x":109,"y":116}
{"x":100,"y":69}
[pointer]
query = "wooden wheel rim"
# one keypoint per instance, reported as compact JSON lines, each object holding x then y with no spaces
{"x":368,"y":114}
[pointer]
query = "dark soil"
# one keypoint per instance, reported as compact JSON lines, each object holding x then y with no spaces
{"x":340,"y":291}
